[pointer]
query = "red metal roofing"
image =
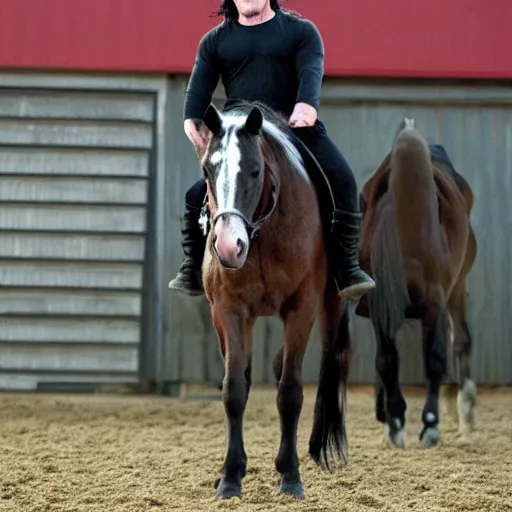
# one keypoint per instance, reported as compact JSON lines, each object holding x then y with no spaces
{"x":392,"y":38}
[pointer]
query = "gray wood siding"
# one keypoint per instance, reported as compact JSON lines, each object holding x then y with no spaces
{"x":31,"y":380}
{"x":70,"y":132}
{"x":54,"y":104}
{"x":75,"y":168}
{"x":474,"y":123}
{"x":72,"y":162}
{"x":73,"y":190}
{"x":69,"y":274}
{"x":68,"y":330}
{"x":93,"y":173}
{"x":74,"y":217}
{"x":96,"y":303}
{"x":70,"y":246}
{"x":67,"y":358}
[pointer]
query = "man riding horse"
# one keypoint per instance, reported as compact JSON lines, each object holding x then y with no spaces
{"x":267,"y":54}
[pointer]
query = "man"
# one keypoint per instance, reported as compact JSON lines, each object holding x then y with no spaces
{"x":267,"y":54}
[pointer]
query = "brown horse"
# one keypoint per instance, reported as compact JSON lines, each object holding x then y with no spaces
{"x":266,"y":256}
{"x":418,"y":244}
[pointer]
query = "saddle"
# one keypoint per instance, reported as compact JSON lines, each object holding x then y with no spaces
{"x":438,"y":154}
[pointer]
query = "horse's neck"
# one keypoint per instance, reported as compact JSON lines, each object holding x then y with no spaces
{"x":294,"y":189}
{"x":296,"y":194}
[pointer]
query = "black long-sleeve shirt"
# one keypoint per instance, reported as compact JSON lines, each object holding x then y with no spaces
{"x":279,"y":62}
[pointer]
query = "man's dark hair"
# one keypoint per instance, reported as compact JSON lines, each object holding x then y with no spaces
{"x":228,"y":9}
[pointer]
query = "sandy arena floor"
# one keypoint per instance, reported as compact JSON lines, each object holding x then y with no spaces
{"x":124,"y":453}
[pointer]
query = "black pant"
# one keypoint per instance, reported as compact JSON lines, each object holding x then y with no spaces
{"x":338,"y":172}
{"x":336,"y":168}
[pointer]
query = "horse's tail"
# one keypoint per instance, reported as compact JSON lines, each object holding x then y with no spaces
{"x":328,"y":437}
{"x":390,"y":298}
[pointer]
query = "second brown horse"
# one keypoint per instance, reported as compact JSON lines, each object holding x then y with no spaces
{"x":418,"y":244}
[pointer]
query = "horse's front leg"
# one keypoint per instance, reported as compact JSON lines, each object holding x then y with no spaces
{"x":298,"y":317}
{"x":380,"y":400}
{"x":234,"y":334}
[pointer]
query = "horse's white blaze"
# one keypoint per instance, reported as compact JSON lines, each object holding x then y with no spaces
{"x":216,"y":157}
{"x":230,"y":157}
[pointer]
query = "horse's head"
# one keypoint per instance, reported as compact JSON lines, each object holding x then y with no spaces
{"x":235,"y":170}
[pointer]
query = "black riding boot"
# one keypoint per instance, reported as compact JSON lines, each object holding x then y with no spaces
{"x":351,"y":280}
{"x":193,"y":241}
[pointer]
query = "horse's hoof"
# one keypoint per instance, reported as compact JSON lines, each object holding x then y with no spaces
{"x":396,"y":433}
{"x":227,"y":489}
{"x":429,"y":437}
{"x":466,"y":401}
{"x":292,"y":486}
{"x":397,"y":438}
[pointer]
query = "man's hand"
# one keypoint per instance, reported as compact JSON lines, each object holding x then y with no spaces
{"x":199,"y":138}
{"x":302,"y":115}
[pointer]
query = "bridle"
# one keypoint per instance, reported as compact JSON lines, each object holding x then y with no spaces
{"x":253,"y":226}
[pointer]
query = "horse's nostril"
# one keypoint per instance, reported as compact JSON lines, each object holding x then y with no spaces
{"x":240,"y":245}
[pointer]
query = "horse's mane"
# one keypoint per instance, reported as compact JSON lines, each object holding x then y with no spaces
{"x":276,"y":131}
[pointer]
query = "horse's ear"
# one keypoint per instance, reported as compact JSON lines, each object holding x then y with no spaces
{"x":254,"y":121}
{"x":212,"y":119}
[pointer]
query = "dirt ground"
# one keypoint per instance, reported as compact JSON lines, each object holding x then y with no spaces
{"x":124,"y":453}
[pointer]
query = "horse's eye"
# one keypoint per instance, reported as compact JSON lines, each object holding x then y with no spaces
{"x":255,"y":174}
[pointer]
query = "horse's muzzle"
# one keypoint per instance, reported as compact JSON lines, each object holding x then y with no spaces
{"x":231,"y":241}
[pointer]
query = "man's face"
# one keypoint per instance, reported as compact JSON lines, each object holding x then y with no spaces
{"x":251,"y":8}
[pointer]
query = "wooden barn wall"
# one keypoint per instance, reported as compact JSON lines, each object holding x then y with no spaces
{"x":77,"y":163}
{"x":474,"y":123}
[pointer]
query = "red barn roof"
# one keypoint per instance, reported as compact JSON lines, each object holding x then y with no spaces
{"x":391,"y":38}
